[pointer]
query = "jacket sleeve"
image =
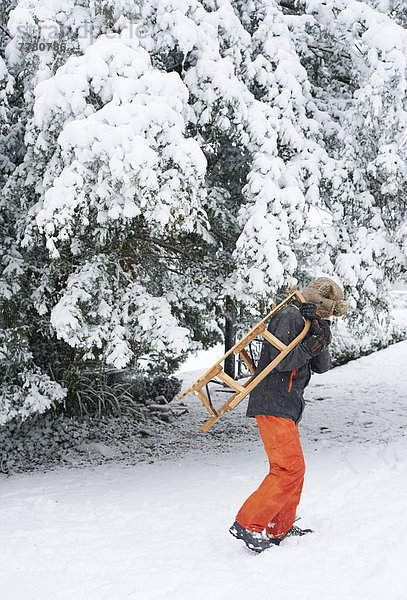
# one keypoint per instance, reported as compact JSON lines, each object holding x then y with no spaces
{"x":286,"y":325}
{"x":322,"y":362}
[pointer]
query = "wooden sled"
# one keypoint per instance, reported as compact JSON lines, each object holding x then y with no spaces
{"x":240,"y":391}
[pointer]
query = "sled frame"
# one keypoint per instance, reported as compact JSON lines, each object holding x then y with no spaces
{"x":241,"y":391}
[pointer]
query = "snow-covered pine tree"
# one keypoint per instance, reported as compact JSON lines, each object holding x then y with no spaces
{"x":112,"y":186}
{"x":252,"y":114}
{"x":175,"y":159}
{"x":24,"y":388}
{"x":355,"y":57}
{"x":30,"y":352}
{"x":311,"y":75}
{"x":229,"y":123}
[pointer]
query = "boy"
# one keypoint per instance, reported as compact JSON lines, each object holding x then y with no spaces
{"x":277,"y":403}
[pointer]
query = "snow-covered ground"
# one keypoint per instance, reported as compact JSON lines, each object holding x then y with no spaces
{"x":160,"y":531}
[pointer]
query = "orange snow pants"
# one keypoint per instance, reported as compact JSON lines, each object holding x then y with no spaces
{"x":271,"y":508}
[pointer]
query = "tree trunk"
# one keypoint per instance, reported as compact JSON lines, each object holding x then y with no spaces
{"x":230,"y":336}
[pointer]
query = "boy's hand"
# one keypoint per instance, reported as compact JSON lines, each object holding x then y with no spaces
{"x":320,"y":329}
{"x":308,"y":310}
{"x":318,"y":337}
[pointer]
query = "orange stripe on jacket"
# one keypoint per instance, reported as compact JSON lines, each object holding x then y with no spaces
{"x":293,"y":373}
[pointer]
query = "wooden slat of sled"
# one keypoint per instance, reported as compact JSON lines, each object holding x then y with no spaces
{"x":202,"y":381}
{"x":273,"y":340}
{"x":232,"y":383}
{"x":243,"y":353}
{"x":249,"y":337}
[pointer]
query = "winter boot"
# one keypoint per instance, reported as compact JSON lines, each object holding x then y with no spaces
{"x":294,"y":530}
{"x":257,"y":542}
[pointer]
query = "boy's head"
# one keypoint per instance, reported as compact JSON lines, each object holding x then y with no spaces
{"x":327,"y":296}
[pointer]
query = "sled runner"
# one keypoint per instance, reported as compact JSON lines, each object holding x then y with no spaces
{"x":240,"y":391}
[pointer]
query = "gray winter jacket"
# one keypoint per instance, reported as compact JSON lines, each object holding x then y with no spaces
{"x":280,"y":393}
